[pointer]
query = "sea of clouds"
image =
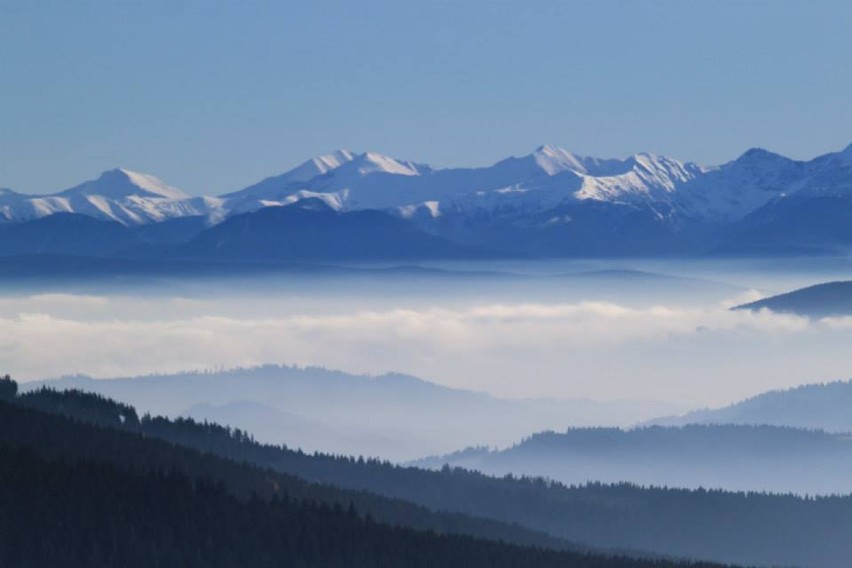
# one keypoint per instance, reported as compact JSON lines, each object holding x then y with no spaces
{"x":698,"y":355}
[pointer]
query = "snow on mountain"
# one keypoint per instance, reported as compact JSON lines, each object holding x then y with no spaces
{"x":651,"y":179}
{"x":830,"y":174}
{"x":314,"y":167}
{"x":121,"y":183}
{"x":276,"y":187}
{"x":734,"y":190}
{"x":338,"y":169}
{"x":542,"y":179}
{"x":128,"y":197}
{"x":731,"y":191}
{"x":515,"y":187}
{"x":553,"y":160}
{"x":563,"y":178}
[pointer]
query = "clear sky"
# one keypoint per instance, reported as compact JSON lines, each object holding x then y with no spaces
{"x":212,"y":96}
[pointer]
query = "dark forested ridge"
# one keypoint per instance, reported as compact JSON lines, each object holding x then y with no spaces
{"x":86,"y":494}
{"x":57,"y":437}
{"x":94,"y":515}
{"x":746,"y":528}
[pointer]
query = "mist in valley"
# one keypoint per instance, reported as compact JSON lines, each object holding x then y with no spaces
{"x":547,"y":345}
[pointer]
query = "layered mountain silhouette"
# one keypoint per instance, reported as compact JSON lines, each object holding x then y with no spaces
{"x":718,"y":456}
{"x":83,"y":451}
{"x":393,"y":416}
{"x":550,"y":202}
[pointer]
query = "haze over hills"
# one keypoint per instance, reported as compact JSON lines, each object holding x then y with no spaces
{"x":746,"y":528}
{"x":715,"y":456}
{"x":550,"y":202}
{"x":822,"y":406}
{"x":393,"y":416}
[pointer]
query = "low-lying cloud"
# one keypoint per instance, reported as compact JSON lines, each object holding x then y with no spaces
{"x":594,"y":349}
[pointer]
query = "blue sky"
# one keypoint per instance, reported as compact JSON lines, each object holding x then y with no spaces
{"x":212,"y":96}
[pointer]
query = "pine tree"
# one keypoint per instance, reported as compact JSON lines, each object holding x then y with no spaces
{"x":8,"y":388}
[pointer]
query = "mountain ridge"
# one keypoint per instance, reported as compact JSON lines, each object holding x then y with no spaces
{"x":548,"y":203}
{"x":817,"y":406}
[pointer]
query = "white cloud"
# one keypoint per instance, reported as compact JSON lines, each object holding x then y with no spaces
{"x":598,"y":349}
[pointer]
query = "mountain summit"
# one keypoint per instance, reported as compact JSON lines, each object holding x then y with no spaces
{"x":121,"y":183}
{"x":548,"y":202}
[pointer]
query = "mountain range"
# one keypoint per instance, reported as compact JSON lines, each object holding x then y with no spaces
{"x":713,"y":456}
{"x":76,"y":438}
{"x":394,"y":416}
{"x":548,"y":203}
{"x":792,"y":440}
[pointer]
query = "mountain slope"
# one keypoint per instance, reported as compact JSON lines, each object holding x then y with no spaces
{"x":394,"y":416}
{"x":76,"y":427}
{"x":753,"y":528}
{"x":550,"y":202}
{"x":103,"y":484}
{"x":89,"y":514}
{"x":820,"y":300}
{"x":65,"y":233}
{"x":120,"y":195}
{"x":310,"y":230}
{"x":823,"y":406}
{"x":730,"y":457}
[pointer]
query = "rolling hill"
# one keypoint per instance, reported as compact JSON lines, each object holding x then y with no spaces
{"x":822,"y":406}
{"x":820,"y":300}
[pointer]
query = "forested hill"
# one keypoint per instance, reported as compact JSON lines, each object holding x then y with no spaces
{"x":90,"y":437}
{"x":734,"y":457}
{"x":754,"y":529}
{"x":92,"y":515}
{"x":83,"y":494}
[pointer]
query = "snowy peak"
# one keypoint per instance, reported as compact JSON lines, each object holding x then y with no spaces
{"x":644,"y":178}
{"x":345,"y":160}
{"x":512,"y":190}
{"x":553,"y":160}
{"x":761,"y":157}
{"x":373,"y":162}
{"x":844,"y":157}
{"x":318,"y":166}
{"x":122,"y":183}
{"x":668,"y":171}
{"x":331,"y":172}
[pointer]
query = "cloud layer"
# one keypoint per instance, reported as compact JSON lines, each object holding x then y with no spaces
{"x":696,"y":355}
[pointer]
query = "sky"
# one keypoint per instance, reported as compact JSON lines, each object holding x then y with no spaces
{"x":213,"y":96}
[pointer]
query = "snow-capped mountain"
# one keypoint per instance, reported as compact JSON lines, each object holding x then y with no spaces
{"x":535,"y":182}
{"x":121,"y":195}
{"x":553,"y":197}
{"x":342,"y":179}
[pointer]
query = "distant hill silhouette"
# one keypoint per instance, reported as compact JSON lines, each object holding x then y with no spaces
{"x":821,"y":300}
{"x":752,"y":529}
{"x":731,"y":457}
{"x":394,"y":416}
{"x":824,"y":406}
